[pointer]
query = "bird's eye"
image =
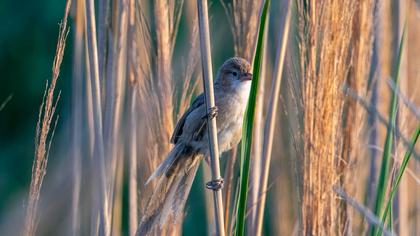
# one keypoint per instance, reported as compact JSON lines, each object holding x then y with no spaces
{"x":234,"y":73}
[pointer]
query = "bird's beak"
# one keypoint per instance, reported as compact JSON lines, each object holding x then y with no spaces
{"x":246,"y":76}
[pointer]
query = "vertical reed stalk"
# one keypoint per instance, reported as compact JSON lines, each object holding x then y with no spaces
{"x":103,"y":33}
{"x":90,"y":135}
{"x":133,"y":201}
{"x":76,"y":114}
{"x":101,"y":201}
{"x":203,"y":23}
{"x":229,"y":188}
{"x":114,"y":99}
{"x":117,"y":200}
{"x":132,"y":129}
{"x":164,"y":44}
{"x":270,"y":121}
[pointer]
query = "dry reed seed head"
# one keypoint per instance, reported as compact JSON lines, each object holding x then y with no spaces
{"x":325,"y":31}
{"x":243,"y":20}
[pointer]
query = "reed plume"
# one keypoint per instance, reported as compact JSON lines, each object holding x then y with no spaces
{"x":151,"y":71}
{"x":325,"y":37}
{"x":44,"y":132}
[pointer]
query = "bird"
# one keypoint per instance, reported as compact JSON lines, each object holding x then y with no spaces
{"x":176,"y":173}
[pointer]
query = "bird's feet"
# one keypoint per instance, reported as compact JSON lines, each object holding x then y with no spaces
{"x":212,"y":113}
{"x":215,"y":184}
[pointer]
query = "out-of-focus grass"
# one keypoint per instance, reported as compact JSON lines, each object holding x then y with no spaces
{"x":388,"y":146}
{"x":404,"y":164}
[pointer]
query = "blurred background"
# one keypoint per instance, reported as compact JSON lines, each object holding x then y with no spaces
{"x":28,"y":40}
{"x":27,"y":46}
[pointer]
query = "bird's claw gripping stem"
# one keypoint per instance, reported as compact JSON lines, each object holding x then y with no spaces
{"x":215,"y":184}
{"x":213,"y":112}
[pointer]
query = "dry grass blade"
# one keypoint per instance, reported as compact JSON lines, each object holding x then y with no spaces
{"x":43,"y":137}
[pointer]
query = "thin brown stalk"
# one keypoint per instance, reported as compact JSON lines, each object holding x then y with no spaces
{"x":270,"y":122}
{"x":208,"y":199}
{"x":90,"y":132}
{"x":133,"y":186}
{"x":229,"y":186}
{"x":203,"y":23}
{"x":43,"y":137}
{"x":133,"y":218}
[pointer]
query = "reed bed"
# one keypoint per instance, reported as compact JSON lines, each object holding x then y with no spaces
{"x":330,"y":136}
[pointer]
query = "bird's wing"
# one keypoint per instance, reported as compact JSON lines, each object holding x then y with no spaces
{"x":179,"y":128}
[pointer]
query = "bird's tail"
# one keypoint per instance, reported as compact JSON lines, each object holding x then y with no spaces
{"x":175,"y":176}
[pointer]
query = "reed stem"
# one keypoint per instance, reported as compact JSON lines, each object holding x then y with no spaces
{"x":203,"y":22}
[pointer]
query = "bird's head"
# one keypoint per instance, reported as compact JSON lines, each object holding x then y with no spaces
{"x":235,"y":73}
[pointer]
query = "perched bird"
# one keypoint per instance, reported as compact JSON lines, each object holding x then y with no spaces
{"x":190,"y":137}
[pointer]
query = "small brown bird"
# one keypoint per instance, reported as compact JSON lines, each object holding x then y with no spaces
{"x":190,"y":137}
